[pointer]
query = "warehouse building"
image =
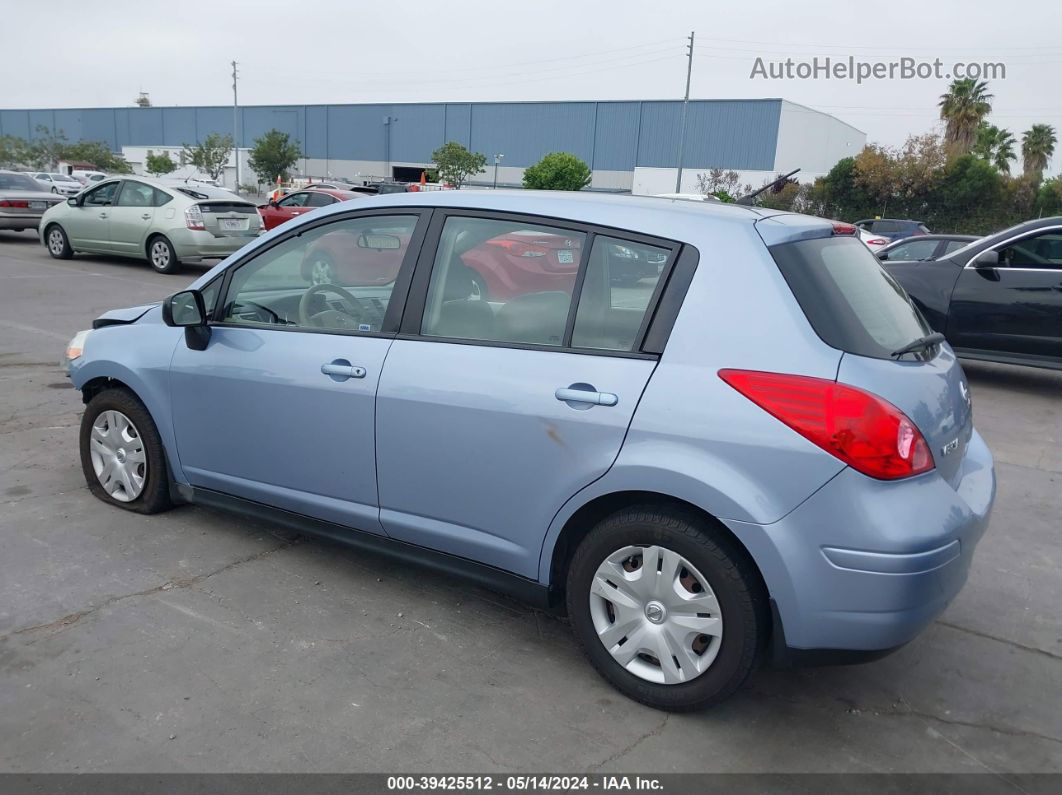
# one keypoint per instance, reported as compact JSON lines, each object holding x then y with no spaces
{"x":629,"y":145}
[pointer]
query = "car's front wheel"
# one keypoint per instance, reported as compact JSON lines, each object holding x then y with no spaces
{"x":667,"y":608}
{"x":58,"y":243}
{"x":162,"y":256}
{"x":121,"y":453}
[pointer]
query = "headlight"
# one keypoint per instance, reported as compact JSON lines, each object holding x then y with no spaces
{"x":74,"y":349}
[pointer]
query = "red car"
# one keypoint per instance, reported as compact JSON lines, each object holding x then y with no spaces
{"x":501,"y":268}
{"x":295,"y":204}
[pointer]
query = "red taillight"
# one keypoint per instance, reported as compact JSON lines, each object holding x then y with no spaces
{"x":877,"y":241}
{"x":844,"y":229}
{"x":14,"y":203}
{"x":866,"y":432}
{"x":517,"y":248}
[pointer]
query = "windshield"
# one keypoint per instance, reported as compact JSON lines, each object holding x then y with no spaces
{"x":18,"y":182}
{"x":851,"y":302}
{"x":63,"y":178}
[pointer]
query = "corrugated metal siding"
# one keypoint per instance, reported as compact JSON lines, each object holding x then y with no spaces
{"x":615,"y":136}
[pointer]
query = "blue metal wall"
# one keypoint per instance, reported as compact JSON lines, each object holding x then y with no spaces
{"x":617,"y":136}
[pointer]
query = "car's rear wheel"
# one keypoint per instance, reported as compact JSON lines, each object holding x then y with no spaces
{"x":58,"y":243}
{"x":121,"y":453}
{"x":668,"y":610}
{"x":162,"y":256}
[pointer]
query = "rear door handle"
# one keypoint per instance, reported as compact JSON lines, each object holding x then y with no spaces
{"x":341,"y":370}
{"x":146,"y":216}
{"x":570,"y":395}
{"x":103,"y":215}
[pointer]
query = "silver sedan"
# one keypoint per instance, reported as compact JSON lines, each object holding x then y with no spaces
{"x":22,"y":201}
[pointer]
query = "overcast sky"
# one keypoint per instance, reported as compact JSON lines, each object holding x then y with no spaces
{"x":80,"y":54}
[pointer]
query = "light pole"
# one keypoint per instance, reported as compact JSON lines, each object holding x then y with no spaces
{"x":685,"y":107}
{"x":235,"y":127}
{"x":497,"y":159}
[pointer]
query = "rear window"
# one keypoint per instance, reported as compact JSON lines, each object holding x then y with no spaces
{"x":851,"y":302}
{"x":18,"y":182}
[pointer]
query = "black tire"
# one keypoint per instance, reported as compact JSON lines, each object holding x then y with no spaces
{"x":57,"y":243}
{"x":161,"y":255}
{"x":730,"y":574}
{"x":155,"y":495}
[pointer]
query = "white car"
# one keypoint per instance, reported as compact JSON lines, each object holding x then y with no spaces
{"x":873,"y":242}
{"x":88,"y":177}
{"x":62,"y":184}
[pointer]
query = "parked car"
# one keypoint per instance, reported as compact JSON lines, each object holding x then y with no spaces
{"x":274,"y":213}
{"x":874,"y":242}
{"x":999,"y":298}
{"x":88,"y":177}
{"x":144,"y":218}
{"x":62,"y":184}
{"x":734,"y":464}
{"x":892,"y":228}
{"x":923,"y":247}
{"x":22,"y":201}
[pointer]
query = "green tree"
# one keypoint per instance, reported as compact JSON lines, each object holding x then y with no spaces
{"x":963,"y":108}
{"x":455,"y":164}
{"x":558,"y":171}
{"x":157,"y":165}
{"x":1037,"y":145}
{"x":211,"y":155}
{"x":48,"y":148}
{"x":14,"y":152}
{"x":99,"y":154}
{"x":273,"y":156}
{"x":995,"y":145}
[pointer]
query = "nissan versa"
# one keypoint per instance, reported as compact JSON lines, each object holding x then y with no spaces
{"x":758,"y":450}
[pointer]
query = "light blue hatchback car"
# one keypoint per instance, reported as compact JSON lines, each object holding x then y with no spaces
{"x":715,"y":435}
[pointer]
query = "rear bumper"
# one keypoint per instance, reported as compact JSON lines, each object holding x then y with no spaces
{"x":19,"y":221}
{"x":865,"y":565}
{"x":192,"y":245}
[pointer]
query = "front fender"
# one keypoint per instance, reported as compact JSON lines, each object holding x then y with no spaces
{"x":143,"y":366}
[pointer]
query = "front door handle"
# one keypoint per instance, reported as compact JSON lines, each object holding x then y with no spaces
{"x":103,"y":215}
{"x":341,"y":370}
{"x":574,"y":394}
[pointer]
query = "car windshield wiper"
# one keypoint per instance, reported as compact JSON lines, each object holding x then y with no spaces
{"x":920,"y":344}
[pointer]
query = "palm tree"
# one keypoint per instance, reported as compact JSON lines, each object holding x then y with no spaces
{"x":1037,"y":145}
{"x":963,"y":109}
{"x":995,"y":145}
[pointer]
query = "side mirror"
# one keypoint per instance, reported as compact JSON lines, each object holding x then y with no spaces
{"x":272,"y":202}
{"x":186,"y":310}
{"x":882,"y":255}
{"x":72,"y":201}
{"x":987,"y":259}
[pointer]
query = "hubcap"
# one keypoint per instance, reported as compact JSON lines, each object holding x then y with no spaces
{"x":656,"y":614}
{"x":160,"y":255}
{"x":55,"y":241}
{"x":118,"y":457}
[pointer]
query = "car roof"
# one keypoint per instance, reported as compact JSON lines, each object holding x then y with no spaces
{"x":676,"y":219}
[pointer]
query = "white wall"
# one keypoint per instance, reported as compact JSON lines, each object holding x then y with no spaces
{"x":813,"y":141}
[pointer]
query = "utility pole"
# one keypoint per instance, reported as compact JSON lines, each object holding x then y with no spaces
{"x":685,"y":108}
{"x":497,"y":159}
{"x":236,"y":135}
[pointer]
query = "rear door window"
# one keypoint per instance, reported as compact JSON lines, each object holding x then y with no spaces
{"x":849,"y":299}
{"x":618,"y":289}
{"x":318,"y":199}
{"x":502,"y":281}
{"x":914,"y":250}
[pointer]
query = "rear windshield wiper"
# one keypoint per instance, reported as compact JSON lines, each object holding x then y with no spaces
{"x":920,"y":344}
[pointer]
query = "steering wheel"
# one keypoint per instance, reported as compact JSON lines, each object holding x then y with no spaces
{"x":330,"y":318}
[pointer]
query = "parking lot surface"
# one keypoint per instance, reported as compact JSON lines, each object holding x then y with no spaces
{"x":196,"y":641}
